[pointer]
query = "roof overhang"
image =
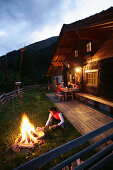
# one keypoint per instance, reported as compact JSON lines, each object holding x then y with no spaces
{"x":71,"y":34}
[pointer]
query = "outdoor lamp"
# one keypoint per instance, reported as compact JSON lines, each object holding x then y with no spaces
{"x":77,"y":69}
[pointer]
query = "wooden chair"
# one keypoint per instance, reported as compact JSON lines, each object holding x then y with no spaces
{"x":60,"y":96}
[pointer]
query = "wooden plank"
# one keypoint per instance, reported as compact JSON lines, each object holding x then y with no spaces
{"x":86,"y":126}
{"x":57,"y":63}
{"x":100,"y":100}
{"x":96,"y":157}
{"x":103,"y":162}
{"x":82,"y":127}
{"x":32,"y":164}
{"x":94,"y":113}
{"x":84,"y":118}
{"x":81,"y":153}
{"x":89,"y":161}
{"x":1,"y":95}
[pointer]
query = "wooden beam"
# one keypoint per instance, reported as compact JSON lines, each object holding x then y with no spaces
{"x":92,"y":34}
{"x":70,"y":35}
{"x":57,"y":63}
{"x":64,"y":50}
{"x":102,"y":25}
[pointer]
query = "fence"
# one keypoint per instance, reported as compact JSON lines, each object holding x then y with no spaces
{"x":6,"y":97}
{"x":101,"y":158}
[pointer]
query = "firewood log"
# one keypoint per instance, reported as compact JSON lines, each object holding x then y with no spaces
{"x":34,"y":134}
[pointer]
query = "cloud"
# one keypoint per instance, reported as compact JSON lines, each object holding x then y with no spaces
{"x":87,"y":8}
{"x":46,"y":32}
{"x":21,"y":19}
{"x":24,"y":22}
{"x":80,"y":9}
{"x":35,"y":12}
{"x":2,"y":33}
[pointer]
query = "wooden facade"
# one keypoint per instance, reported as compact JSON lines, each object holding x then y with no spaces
{"x":84,"y":54}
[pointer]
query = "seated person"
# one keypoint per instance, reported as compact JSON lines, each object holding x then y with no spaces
{"x":59,"y":89}
{"x":77,"y":88}
{"x":70,"y":85}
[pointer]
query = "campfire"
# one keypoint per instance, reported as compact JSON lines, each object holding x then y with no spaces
{"x":29,"y":137}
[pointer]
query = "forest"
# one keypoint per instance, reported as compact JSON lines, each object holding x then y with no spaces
{"x":28,"y":65}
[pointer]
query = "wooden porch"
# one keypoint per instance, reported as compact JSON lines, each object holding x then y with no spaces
{"x":83,"y":117}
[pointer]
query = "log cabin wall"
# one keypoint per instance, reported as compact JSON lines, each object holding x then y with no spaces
{"x":96,"y":65}
{"x":100,"y":60}
{"x":106,"y":78}
{"x":92,"y":68}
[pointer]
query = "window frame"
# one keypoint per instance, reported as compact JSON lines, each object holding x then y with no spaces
{"x":89,"y":47}
{"x":92,"y":77}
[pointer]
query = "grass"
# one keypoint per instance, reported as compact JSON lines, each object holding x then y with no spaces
{"x":35,"y":104}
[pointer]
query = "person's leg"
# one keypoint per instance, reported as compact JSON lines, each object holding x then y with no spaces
{"x":54,"y":121}
{"x":62,"y":126}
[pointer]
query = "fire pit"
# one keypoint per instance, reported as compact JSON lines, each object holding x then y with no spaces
{"x":29,"y":137}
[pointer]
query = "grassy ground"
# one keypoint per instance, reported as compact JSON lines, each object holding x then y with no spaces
{"x":35,"y":104}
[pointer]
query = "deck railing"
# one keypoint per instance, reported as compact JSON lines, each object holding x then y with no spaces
{"x":103,"y":156}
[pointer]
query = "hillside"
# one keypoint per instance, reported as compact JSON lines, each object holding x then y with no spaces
{"x":30,"y":68}
{"x":42,"y":44}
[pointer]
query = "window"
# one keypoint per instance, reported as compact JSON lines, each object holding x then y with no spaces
{"x":88,"y":45}
{"x":76,"y":53}
{"x":92,"y":78}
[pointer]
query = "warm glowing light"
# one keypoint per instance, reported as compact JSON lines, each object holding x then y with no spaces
{"x":26,"y":128}
{"x":28,"y":132}
{"x":77,"y":69}
{"x":29,"y":137}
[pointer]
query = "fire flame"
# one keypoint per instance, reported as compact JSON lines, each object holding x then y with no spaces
{"x":29,"y":137}
{"x":27,"y":129}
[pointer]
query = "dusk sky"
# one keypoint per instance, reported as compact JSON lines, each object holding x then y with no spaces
{"x":23,"y":22}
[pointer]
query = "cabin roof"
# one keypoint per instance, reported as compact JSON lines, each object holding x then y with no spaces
{"x":87,"y":29}
{"x":98,"y":18}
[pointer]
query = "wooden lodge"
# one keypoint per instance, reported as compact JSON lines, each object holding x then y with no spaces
{"x":84,"y":55}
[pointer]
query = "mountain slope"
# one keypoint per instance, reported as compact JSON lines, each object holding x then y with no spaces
{"x":30,"y":67}
{"x":42,"y":44}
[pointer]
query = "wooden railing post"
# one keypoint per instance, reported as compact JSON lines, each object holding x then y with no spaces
{"x":37,"y":162}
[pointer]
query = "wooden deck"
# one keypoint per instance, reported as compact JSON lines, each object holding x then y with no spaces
{"x":84,"y":118}
{"x":96,"y":102}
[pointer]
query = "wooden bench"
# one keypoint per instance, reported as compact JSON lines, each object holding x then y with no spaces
{"x":96,"y":102}
{"x":60,"y":96}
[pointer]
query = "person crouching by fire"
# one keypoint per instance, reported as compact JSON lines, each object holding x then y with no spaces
{"x":55,"y":119}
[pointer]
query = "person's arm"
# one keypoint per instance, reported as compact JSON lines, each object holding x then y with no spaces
{"x":61,"y":118}
{"x":47,"y":123}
